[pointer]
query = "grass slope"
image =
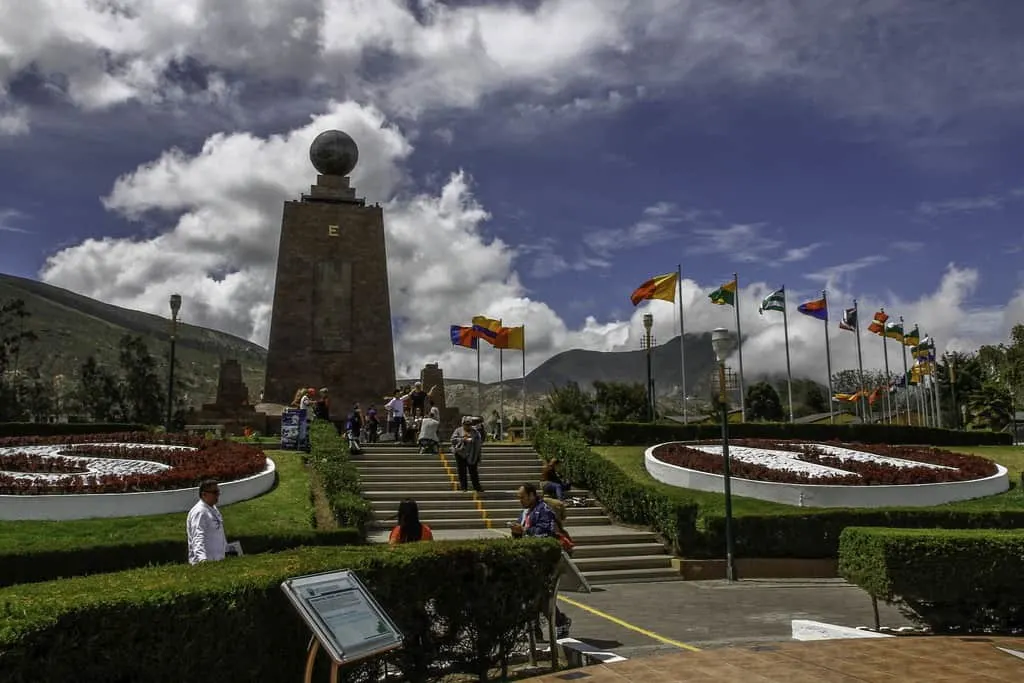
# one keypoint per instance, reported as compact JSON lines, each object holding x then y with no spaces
{"x":283,"y":509}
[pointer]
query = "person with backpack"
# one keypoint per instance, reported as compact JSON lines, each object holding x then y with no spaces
{"x":354,"y":429}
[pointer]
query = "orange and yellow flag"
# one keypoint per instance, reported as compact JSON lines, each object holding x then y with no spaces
{"x":661,"y":287}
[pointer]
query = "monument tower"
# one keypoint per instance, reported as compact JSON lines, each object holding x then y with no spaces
{"x":331,"y":323}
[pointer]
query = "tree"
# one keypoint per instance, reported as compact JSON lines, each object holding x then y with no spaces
{"x":569,"y":409}
{"x":99,"y":393}
{"x":763,"y":403}
{"x":35,"y":396}
{"x":142,"y":390}
{"x":13,"y":336}
{"x":815,"y":400}
{"x":621,"y":401}
{"x":990,"y":407}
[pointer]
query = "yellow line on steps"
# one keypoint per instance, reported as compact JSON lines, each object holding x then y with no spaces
{"x":625,"y":624}
{"x":448,"y":468}
{"x":482,"y":510}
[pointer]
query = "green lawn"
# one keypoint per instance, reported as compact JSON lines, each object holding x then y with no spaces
{"x":630,"y":459}
{"x":284,"y":509}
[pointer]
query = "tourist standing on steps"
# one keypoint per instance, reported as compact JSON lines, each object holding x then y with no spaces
{"x":467,"y":446}
{"x":205,"y":526}
{"x":396,"y":411}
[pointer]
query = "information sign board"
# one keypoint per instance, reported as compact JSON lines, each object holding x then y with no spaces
{"x":343,"y":615}
{"x":293,"y":428}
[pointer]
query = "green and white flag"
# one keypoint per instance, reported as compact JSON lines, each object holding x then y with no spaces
{"x":776,"y":301}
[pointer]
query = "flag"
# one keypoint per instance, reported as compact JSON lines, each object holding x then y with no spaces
{"x":914,"y":375}
{"x":776,"y":301}
{"x":511,"y":338}
{"x":849,"y":321}
{"x":486,"y":328}
{"x":894,"y":330}
{"x":912,"y":338}
{"x":661,"y":287}
{"x":877,"y":325}
{"x":724,"y":295}
{"x":816,"y":309}
{"x":464,"y":336}
{"x":875,"y":395}
{"x":846,"y":398}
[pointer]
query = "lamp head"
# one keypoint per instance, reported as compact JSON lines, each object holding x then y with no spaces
{"x":648,"y":321}
{"x":723,"y":343}
{"x":175,"y":305}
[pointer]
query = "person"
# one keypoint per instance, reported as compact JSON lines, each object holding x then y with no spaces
{"x":467,"y":445}
{"x":417,"y":398}
{"x":428,"y":433}
{"x":205,"y":526}
{"x":354,"y":429}
{"x":372,"y":424}
{"x":496,"y":426}
{"x":551,"y":480}
{"x":322,"y":409}
{"x":539,"y":521}
{"x":409,"y":528}
{"x":396,"y":409}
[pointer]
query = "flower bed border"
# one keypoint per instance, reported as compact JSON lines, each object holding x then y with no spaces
{"x":259,"y":476}
{"x":965,"y":467}
{"x":829,"y":495}
{"x":203,"y":459}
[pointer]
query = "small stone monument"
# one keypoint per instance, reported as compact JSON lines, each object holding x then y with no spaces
{"x":231,"y":408}
{"x":331,"y":322}
{"x":432,"y":376}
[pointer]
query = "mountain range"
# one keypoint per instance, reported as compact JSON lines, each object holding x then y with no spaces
{"x":70,"y":327}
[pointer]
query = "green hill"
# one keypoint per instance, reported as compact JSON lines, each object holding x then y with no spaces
{"x":70,"y":327}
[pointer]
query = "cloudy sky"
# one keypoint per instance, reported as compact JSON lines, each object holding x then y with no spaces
{"x":537,"y":159}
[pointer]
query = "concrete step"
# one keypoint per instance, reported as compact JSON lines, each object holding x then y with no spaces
{"x":433,"y":513}
{"x":600,"y":539}
{"x":410,"y":468}
{"x":399,"y":460}
{"x":462,"y":502}
{"x":422,"y":493}
{"x":613,"y":576}
{"x":606,"y":550}
{"x":622,"y":562}
{"x":436,"y":524}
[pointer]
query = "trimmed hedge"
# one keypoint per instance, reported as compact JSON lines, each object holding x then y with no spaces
{"x":339,"y":477}
{"x":627,"y":499}
{"x":693,"y":522}
{"x":66,"y":428}
{"x":647,"y":434}
{"x":463,"y":603}
{"x":35,"y":551}
{"x":955,"y":581}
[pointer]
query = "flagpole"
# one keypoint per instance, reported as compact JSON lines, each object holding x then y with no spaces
{"x":789,"y":370}
{"x":524,"y":382}
{"x":479,"y":392}
{"x":860,"y":362}
{"x":501,"y":385}
{"x":906,"y":378}
{"x":828,"y":361}
{"x":888,"y":376}
{"x":682,"y":340}
{"x":739,"y":347}
{"x":935,"y":389}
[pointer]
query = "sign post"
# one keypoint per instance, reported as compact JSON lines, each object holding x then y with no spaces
{"x":293,"y":429}
{"x":346,"y":621}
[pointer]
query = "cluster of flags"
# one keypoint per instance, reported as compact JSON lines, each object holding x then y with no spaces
{"x":491,"y":331}
{"x":500,"y":337}
{"x":922,"y":349}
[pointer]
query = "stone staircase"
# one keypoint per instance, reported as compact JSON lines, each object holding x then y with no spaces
{"x":605,"y":553}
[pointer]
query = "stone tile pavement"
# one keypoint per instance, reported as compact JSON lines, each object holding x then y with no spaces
{"x":888,"y":660}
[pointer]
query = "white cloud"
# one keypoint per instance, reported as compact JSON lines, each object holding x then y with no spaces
{"x":989,"y":202}
{"x":8,"y":218}
{"x":908,"y":246}
{"x":740,"y":242}
{"x":801,"y":253}
{"x":838,"y":275}
{"x":219,"y":253}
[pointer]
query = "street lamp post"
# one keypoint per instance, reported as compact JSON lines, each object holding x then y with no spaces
{"x":175,"y":307}
{"x":647,"y":344}
{"x":723,"y":343}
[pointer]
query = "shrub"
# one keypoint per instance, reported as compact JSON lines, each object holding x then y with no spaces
{"x":65,"y":428}
{"x":338,"y":476}
{"x":956,"y":466}
{"x":627,"y":499}
{"x":647,"y":434}
{"x":188,"y":466}
{"x":466,"y":604}
{"x":951,"y":580}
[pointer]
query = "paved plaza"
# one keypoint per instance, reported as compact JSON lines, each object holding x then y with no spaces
{"x":636,"y":620}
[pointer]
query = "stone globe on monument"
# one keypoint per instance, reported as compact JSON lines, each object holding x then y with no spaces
{"x":331,"y":322}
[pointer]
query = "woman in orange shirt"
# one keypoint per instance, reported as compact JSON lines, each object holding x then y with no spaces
{"x":409,"y":528}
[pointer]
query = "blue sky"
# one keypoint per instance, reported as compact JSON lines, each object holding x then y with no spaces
{"x":861,"y":148}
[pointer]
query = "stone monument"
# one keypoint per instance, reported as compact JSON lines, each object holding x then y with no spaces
{"x":331,"y":323}
{"x":432,"y":376}
{"x":231,"y":408}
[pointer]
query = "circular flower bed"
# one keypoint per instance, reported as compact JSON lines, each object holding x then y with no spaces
{"x":798,"y":462}
{"x":121,"y":463}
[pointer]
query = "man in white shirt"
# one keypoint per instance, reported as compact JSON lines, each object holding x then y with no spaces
{"x":205,"y":526}
{"x":397,"y":407}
